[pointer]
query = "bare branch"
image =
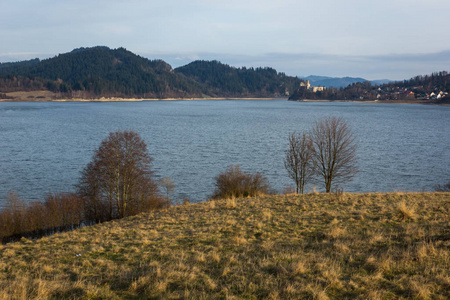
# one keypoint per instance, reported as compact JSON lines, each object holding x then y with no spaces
{"x":334,"y":151}
{"x":118,"y":181}
{"x":298,"y":161}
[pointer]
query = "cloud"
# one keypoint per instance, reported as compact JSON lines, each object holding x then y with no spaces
{"x":116,"y":29}
{"x":347,"y":27}
{"x":349,"y":37}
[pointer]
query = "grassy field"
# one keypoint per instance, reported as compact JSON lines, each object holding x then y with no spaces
{"x":32,"y":96}
{"x":316,"y":246}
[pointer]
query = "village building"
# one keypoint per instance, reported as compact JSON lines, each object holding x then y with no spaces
{"x":410,"y":95}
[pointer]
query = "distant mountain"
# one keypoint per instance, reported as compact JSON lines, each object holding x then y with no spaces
{"x":103,"y":72}
{"x":332,"y":81}
{"x":381,"y":81}
{"x":339,"y":81}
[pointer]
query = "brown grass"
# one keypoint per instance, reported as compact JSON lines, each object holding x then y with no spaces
{"x":355,"y":246}
{"x":32,"y":96}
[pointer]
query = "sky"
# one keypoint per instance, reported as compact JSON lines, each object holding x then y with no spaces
{"x":383,"y":39}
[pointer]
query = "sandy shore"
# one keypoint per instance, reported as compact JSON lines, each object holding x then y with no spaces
{"x":424,"y":102}
{"x":158,"y":99}
{"x":47,"y":96}
{"x":103,"y":99}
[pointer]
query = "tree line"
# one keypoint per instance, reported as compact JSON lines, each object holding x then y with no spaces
{"x":102,"y":72}
{"x":223,"y":80}
{"x":419,"y":85}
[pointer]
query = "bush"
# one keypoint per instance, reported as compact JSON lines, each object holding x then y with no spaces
{"x":443,"y":188}
{"x":235,"y":183}
{"x":59,"y":212}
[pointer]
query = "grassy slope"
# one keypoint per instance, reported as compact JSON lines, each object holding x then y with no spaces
{"x":314,"y":246}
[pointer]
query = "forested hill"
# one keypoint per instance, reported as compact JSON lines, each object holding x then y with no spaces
{"x":97,"y":72}
{"x":223,"y":80}
{"x":103,"y":72}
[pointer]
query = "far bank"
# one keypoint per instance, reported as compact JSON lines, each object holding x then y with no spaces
{"x":47,"y":96}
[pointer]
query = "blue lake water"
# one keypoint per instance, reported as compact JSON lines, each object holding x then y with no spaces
{"x":44,"y":145}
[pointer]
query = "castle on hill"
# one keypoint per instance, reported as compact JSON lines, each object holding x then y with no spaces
{"x":314,"y":89}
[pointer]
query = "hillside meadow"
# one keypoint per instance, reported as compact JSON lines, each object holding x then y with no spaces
{"x":314,"y":246}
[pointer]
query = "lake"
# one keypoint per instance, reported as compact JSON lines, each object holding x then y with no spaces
{"x":45,"y":145}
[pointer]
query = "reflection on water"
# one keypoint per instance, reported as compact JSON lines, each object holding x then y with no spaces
{"x":45,"y":145}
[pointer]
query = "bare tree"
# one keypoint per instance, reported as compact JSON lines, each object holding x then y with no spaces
{"x":167,"y":184}
{"x":119,"y":178}
{"x":298,"y":161}
{"x":96,"y":209}
{"x":334,"y":151}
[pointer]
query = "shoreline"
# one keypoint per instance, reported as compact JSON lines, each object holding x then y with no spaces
{"x":103,"y":99}
{"x":160,"y":99}
{"x":115,"y":99}
{"x":421,"y":102}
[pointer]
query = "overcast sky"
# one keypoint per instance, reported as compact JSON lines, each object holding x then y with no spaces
{"x":394,"y":39}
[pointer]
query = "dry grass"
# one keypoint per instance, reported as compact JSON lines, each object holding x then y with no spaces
{"x":32,"y":96}
{"x":363,"y":246}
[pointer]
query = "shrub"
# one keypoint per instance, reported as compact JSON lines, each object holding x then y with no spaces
{"x":235,"y":183}
{"x":12,"y":217}
{"x":404,"y":212}
{"x":59,"y":212}
{"x":443,"y":188}
{"x":63,"y":210}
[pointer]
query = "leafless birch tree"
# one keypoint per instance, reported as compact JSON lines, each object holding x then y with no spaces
{"x":298,"y":161}
{"x":168,"y":186}
{"x":334,"y":151}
